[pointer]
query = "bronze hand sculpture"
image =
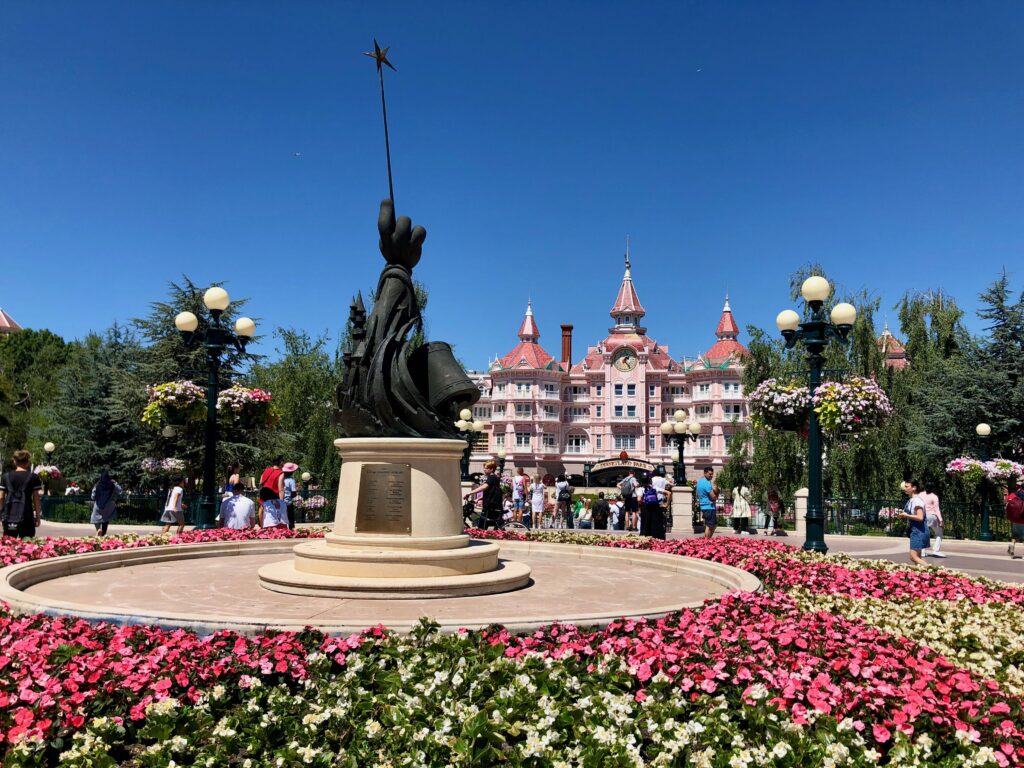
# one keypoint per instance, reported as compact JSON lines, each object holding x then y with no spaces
{"x":389,"y":389}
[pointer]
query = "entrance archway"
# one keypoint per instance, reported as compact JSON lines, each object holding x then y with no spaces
{"x":608,"y":473}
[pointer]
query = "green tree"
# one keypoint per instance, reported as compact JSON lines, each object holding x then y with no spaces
{"x":30,"y":363}
{"x":303,"y":380}
{"x":83,"y":414}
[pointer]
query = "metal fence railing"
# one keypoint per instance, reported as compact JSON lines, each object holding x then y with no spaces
{"x":311,"y":506}
{"x":877,"y":517}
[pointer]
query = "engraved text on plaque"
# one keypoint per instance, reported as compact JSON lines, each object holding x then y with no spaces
{"x":385,"y":499}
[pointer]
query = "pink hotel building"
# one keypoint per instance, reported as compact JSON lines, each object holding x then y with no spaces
{"x":555,"y":415}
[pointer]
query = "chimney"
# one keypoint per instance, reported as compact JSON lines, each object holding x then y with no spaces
{"x":567,"y":346}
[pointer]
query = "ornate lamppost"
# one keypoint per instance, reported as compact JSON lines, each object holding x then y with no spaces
{"x":215,"y":339}
{"x":469,"y":430}
{"x":816,"y":333}
{"x":502,"y":455}
{"x":678,"y":430}
{"x":983,"y":431}
{"x":49,"y":448}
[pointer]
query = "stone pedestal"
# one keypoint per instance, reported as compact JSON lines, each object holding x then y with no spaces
{"x":398,"y":530}
{"x":682,"y":508}
{"x":800,"y":505}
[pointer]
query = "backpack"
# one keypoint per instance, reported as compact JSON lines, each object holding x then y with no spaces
{"x":650,"y":495}
{"x":15,"y":501}
{"x":565,"y":495}
{"x":1015,"y":508}
{"x":626,"y":486}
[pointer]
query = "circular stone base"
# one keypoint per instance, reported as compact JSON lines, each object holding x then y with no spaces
{"x":318,"y":557}
{"x":285,"y":577}
{"x":384,"y":541}
{"x":208,"y":587}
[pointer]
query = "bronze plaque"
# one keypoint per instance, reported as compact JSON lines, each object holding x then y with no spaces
{"x":385,"y":499}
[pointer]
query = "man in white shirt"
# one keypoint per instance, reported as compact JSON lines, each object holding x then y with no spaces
{"x":237,"y":511}
{"x":664,"y":488}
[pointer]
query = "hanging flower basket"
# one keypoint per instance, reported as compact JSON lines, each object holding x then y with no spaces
{"x":851,"y":406}
{"x":174,"y":402}
{"x":314,"y":507}
{"x":163,"y":467}
{"x":47,"y":472}
{"x":1003,"y":471}
{"x":780,"y":405}
{"x":247,"y":408}
{"x":973,"y":471}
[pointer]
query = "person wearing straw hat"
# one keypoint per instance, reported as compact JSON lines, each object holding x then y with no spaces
{"x":290,"y":491}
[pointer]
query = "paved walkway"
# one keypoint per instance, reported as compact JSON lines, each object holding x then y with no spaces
{"x":974,"y":557}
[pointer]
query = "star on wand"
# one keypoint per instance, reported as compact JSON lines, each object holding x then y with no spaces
{"x":380,"y":55}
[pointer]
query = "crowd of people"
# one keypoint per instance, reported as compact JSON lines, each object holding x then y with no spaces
{"x":640,"y":502}
{"x":21,"y":491}
{"x":277,"y":494}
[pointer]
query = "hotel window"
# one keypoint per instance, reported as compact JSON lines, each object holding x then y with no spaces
{"x":524,"y":410}
{"x":631,"y":390}
{"x":523,"y":389}
{"x":618,"y":390}
{"x":579,"y":414}
{"x":500,"y":389}
{"x":704,"y":389}
{"x":576,"y":444}
{"x":481,"y":412}
{"x":704,"y":412}
{"x":597,"y":442}
{"x":522,"y":439}
{"x":731,"y":388}
{"x":550,"y":412}
{"x":550,"y":390}
{"x":631,"y":411}
{"x":652,"y":412}
{"x":618,"y":410}
{"x":705,"y":442}
{"x":599,"y":390}
{"x":600,"y":410}
{"x":652,"y":443}
{"x":733,"y":410}
{"x":548,"y":441}
{"x":625,"y":442}
{"x":651,"y":390}
{"x":499,"y":440}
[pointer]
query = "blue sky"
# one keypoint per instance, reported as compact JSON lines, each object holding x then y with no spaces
{"x":733,"y":141}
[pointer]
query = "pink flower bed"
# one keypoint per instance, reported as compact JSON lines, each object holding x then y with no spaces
{"x":23,"y":550}
{"x":780,"y":566}
{"x":760,"y":651}
{"x":831,"y":665}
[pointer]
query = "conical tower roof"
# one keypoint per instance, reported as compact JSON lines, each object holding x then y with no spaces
{"x":7,"y":323}
{"x":727,"y":332}
{"x":627,"y":303}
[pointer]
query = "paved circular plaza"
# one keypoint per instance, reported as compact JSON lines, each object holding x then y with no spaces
{"x":215,"y":586}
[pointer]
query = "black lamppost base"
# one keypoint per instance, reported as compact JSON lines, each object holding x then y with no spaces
{"x":207,"y":515}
